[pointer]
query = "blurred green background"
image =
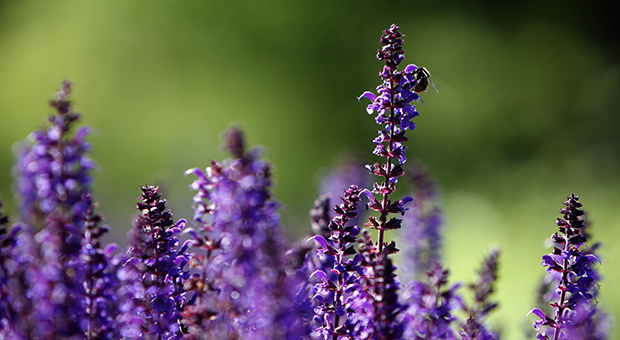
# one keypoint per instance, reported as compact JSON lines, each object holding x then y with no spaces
{"x":527,"y":110}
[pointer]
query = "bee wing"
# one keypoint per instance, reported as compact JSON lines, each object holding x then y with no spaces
{"x":430,"y":81}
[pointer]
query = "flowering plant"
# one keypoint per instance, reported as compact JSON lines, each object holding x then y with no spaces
{"x":232,"y":274}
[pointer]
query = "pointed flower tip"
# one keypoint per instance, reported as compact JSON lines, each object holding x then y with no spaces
{"x":368,"y":95}
{"x":406,"y":200}
{"x":111,"y":249}
{"x":320,"y":240}
{"x":181,"y":223}
{"x":320,"y":274}
{"x":202,"y":175}
{"x":536,"y":311}
{"x":368,"y":194}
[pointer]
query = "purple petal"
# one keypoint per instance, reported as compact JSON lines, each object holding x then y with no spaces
{"x":368,"y":95}
{"x":321,"y":240}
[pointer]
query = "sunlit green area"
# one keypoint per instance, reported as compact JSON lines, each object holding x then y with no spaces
{"x":527,"y":109}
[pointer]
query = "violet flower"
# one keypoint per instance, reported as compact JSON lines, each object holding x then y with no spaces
{"x":575,"y":306}
{"x":53,"y":276}
{"x":100,"y":281}
{"x":431,"y":305}
{"x":252,"y":296}
{"x":483,"y":287}
{"x":46,"y":276}
{"x":330,"y":314}
{"x":394,"y":112}
{"x":53,"y":168}
{"x":152,"y":277}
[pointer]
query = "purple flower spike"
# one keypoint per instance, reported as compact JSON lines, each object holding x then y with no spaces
{"x":570,"y":270}
{"x":153,"y":277}
{"x":339,"y":250}
{"x":53,"y":168}
{"x":393,"y":105}
{"x":100,"y":281}
{"x":243,"y":289}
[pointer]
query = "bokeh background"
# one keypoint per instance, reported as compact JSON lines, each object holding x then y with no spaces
{"x":527,"y":110}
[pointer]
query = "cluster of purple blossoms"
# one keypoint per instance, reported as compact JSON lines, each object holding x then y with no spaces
{"x":250,"y":295}
{"x":153,"y":276}
{"x":100,"y":265}
{"x":233,"y":275}
{"x":571,"y":269}
{"x":53,"y":169}
{"x":333,"y":286}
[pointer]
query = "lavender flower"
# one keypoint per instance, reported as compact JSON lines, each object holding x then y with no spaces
{"x":45,"y":272}
{"x":100,"y":282}
{"x":431,"y":306}
{"x":52,"y":276}
{"x":53,"y":168}
{"x":252,"y":294}
{"x":153,"y":275}
{"x":576,"y":287}
{"x":394,"y":110}
{"x":483,"y":287}
{"x":330,"y":288}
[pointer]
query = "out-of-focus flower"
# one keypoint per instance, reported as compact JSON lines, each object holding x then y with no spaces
{"x":431,"y":307}
{"x":53,"y":170}
{"x":46,"y":275}
{"x":421,"y":230}
{"x":483,"y":287}
{"x":251,"y":297}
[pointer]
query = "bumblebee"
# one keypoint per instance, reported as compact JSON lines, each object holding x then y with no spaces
{"x":422,"y":78}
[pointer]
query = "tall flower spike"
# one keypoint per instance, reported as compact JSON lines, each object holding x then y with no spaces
{"x":154,"y":274}
{"x":53,"y":168}
{"x":576,"y":285}
{"x":393,"y":105}
{"x":100,"y":281}
{"x":53,"y":175}
{"x":330,"y":314}
{"x":252,"y":296}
